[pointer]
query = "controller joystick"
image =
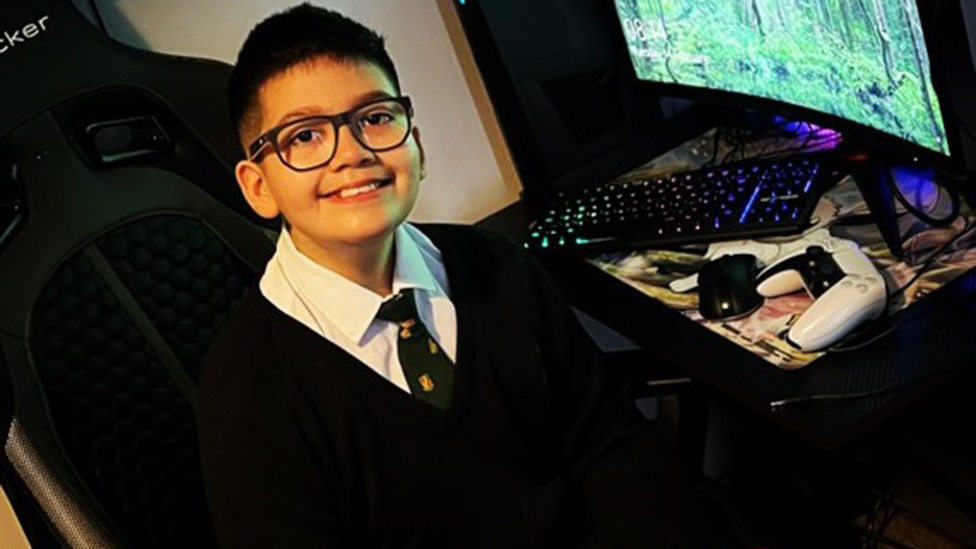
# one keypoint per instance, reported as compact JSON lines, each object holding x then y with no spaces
{"x":847,"y":288}
{"x":766,"y":253}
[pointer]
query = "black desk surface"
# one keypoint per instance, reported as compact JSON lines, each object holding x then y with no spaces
{"x":932,"y":341}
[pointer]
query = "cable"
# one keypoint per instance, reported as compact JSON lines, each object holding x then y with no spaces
{"x":739,"y":139}
{"x":882,"y":512}
{"x":932,"y":257}
{"x":939,"y":252}
{"x":776,"y":405}
{"x":928,"y":219}
{"x":844,"y":347}
{"x":716,"y":139}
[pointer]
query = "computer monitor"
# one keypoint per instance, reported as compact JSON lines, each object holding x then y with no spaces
{"x":862,"y":66}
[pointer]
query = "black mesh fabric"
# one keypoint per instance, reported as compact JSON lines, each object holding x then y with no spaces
{"x":125,"y":425}
{"x":182,"y":275}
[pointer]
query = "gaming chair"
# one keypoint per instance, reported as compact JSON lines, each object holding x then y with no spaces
{"x":123,"y":245}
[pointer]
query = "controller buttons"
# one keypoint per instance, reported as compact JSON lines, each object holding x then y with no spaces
{"x":863,"y":288}
{"x":871,"y":279}
{"x":854,"y":276}
{"x":846,"y":284}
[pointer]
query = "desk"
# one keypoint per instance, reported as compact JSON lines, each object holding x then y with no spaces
{"x":932,"y":341}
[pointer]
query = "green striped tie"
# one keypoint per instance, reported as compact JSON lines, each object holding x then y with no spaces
{"x":429,"y":372}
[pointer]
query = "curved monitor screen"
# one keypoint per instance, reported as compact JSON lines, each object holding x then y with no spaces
{"x":861,"y":60}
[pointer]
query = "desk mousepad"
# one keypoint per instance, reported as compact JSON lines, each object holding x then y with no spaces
{"x":650,"y":271}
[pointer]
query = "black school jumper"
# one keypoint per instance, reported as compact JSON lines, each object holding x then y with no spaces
{"x":304,"y":446}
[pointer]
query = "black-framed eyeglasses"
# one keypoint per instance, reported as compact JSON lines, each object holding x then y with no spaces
{"x":311,"y":142}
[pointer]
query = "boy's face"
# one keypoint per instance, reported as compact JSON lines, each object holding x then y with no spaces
{"x":322,"y":218}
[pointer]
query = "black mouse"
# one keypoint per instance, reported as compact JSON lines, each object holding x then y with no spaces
{"x":727,"y":287}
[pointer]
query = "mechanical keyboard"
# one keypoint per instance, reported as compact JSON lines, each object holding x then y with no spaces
{"x":733,"y":201}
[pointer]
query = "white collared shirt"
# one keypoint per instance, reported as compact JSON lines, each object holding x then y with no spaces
{"x":344,"y":312}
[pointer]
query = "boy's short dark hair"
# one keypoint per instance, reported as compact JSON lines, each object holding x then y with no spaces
{"x":292,"y":37}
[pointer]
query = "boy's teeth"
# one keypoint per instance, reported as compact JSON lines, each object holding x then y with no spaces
{"x":346,"y":193}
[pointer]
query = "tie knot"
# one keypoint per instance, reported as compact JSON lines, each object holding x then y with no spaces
{"x":400,"y":308}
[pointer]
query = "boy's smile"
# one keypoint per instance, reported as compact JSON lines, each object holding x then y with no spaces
{"x":360,"y":190}
{"x":359,"y":197}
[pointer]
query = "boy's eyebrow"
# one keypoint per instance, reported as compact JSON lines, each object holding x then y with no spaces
{"x":315,"y":111}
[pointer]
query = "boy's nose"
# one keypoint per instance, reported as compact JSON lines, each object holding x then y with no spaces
{"x":349,"y":151}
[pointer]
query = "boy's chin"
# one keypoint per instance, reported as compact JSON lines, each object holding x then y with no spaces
{"x":360,"y":234}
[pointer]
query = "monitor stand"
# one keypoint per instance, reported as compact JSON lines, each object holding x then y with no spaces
{"x":873,"y":174}
{"x":873,"y":177}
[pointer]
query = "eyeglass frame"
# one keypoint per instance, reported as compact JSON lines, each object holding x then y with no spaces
{"x":338,"y":121}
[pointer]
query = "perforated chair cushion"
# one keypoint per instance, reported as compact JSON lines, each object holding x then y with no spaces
{"x":182,"y":276}
{"x":119,"y":402}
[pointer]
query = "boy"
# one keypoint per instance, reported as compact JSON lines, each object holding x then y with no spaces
{"x":393,"y":385}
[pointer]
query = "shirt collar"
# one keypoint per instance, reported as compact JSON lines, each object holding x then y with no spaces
{"x":334,"y":299}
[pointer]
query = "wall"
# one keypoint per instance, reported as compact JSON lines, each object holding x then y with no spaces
{"x":467,"y":178}
{"x":11,"y":534}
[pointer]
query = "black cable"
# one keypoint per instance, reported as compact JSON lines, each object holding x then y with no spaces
{"x":844,"y":347}
{"x":716,"y":139}
{"x":733,"y":140}
{"x":739,"y":139}
{"x":98,"y":17}
{"x":776,"y":405}
{"x":926,"y":218}
{"x":939,"y":252}
{"x":803,"y":149}
{"x":886,"y":521}
{"x":868,"y":541}
{"x":932,"y":257}
{"x":882,"y":512}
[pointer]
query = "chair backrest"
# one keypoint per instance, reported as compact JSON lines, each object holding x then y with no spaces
{"x":124,"y":243}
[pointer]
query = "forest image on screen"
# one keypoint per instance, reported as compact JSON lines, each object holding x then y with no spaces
{"x":862,"y":60}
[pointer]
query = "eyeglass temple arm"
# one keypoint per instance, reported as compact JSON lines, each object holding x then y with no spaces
{"x":258,"y":144}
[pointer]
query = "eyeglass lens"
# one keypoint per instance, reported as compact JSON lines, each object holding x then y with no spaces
{"x":312,"y":142}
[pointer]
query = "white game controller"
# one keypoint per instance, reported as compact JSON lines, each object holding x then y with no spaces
{"x":847,"y":288}
{"x":766,"y":253}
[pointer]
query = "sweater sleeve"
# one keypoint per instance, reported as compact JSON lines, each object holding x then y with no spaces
{"x":266,"y":482}
{"x":633,"y":490}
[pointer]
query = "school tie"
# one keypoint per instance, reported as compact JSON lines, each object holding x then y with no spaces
{"x":429,"y":372}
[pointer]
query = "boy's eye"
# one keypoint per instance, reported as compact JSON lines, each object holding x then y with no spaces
{"x":304,"y":134}
{"x":376,"y":118}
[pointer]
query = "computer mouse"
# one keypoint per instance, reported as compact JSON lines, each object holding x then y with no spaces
{"x":727,"y":287}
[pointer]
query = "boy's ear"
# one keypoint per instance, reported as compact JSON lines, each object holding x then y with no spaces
{"x":420,"y":149}
{"x":251,"y":180}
